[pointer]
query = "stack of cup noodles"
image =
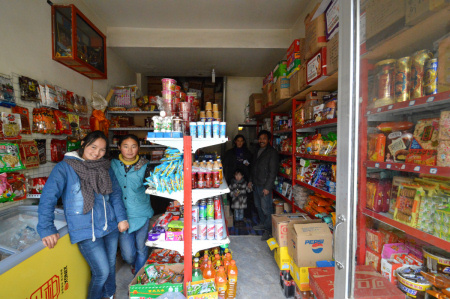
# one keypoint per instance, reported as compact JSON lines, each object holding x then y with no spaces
{"x":208,"y":222}
{"x":169,"y":94}
{"x":192,"y":98}
{"x":211,"y":113}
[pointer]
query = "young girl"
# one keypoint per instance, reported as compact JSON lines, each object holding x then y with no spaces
{"x":238,"y":191}
{"x":131,"y":171}
{"x":93,"y":207}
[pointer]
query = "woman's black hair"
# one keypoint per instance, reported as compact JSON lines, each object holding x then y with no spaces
{"x":236,"y":138}
{"x":89,"y":139}
{"x":264,"y":132}
{"x":131,"y":136}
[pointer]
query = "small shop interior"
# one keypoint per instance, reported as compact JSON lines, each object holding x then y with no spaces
{"x":208,"y":88}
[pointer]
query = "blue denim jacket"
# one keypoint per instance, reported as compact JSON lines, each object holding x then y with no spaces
{"x":64,"y":182}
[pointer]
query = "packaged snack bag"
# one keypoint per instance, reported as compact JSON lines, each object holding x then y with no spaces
{"x":10,"y":157}
{"x":11,"y":126}
{"x":24,"y":118}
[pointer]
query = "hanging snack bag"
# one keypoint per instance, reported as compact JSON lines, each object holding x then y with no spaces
{"x":6,"y":192}
{"x":28,"y":89}
{"x":62,"y":122}
{"x":61,"y":95}
{"x":11,"y":126}
{"x":42,"y":150}
{"x":85,"y":127}
{"x":10,"y":157}
{"x":70,"y":99}
{"x":6,"y":90}
{"x":48,"y":121}
{"x":50,"y":96}
{"x":29,"y":153}
{"x":38,"y":185}
{"x":18,"y":185}
{"x":24,"y":118}
{"x":73,"y":118}
{"x":58,"y":149}
{"x":77,"y":104}
{"x":83,"y":105}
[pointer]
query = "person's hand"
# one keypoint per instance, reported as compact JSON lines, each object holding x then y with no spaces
{"x":265,"y":192}
{"x":250,"y":185}
{"x":246,"y":163}
{"x":123,"y":226}
{"x":50,"y":241}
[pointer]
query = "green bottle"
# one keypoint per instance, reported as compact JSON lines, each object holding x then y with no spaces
{"x":196,"y":273}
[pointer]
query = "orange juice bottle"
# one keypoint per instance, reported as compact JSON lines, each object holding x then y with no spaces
{"x":219,"y":164}
{"x":221,"y":282}
{"x":232,"y":280}
{"x":217,"y":258}
{"x":204,"y":261}
{"x":226,"y":261}
{"x":209,"y":272}
{"x":217,"y":265}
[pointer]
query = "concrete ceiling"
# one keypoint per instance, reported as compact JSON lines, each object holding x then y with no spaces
{"x":232,"y":19}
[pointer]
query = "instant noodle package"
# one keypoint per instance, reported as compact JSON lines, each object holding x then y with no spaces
{"x":11,"y":126}
{"x":10,"y":158}
{"x":24,"y":118}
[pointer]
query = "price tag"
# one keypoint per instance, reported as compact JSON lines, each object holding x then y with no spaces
{"x":390,"y":107}
{"x":403,"y":166}
{"x":377,"y":165}
{"x":433,"y":170}
{"x":388,"y":166}
{"x":430,"y":99}
{"x":417,"y":168}
{"x":412,"y":103}
{"x":379,"y":109}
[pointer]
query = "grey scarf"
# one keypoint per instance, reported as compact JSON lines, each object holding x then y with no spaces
{"x":94,"y":177}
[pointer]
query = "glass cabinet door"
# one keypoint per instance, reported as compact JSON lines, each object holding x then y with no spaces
{"x":393,"y":199}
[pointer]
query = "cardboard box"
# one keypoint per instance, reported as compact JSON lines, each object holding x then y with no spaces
{"x":300,"y":275}
{"x":315,"y":36}
{"x":268,"y":91}
{"x":282,"y":89}
{"x":302,"y":77}
{"x":256,"y":103}
{"x":226,"y":210}
{"x":280,"y":70}
{"x":295,"y":65}
{"x":444,"y":64}
{"x":278,"y":208}
{"x":212,"y":295}
{"x":290,"y":59}
{"x":368,"y":284}
{"x":333,"y":54}
{"x":388,"y":267}
{"x":309,"y":242}
{"x":294,"y":82}
{"x":293,"y":48}
{"x":152,"y":290}
{"x":418,"y":10}
{"x":316,"y":67}
{"x":208,"y":94}
{"x":280,"y":254}
{"x":280,"y":224}
{"x":332,"y":19}
{"x":383,"y":19}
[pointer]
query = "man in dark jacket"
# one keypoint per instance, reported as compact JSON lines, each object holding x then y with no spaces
{"x":263,"y":174}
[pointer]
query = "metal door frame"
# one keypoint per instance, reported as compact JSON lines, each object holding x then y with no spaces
{"x":347,"y":149}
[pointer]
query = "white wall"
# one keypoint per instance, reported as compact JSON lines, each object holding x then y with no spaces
{"x":238,"y":91}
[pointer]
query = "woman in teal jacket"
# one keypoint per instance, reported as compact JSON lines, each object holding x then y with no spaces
{"x":131,"y":171}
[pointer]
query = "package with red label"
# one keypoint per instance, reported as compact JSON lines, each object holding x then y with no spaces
{"x":44,"y":121}
{"x":373,"y":259}
{"x":58,"y":149}
{"x":390,"y":251}
{"x":389,"y":237}
{"x":374,"y":240}
{"x":413,"y":260}
{"x":62,"y":122}
{"x":376,"y":147}
{"x":388,"y":268}
{"x":38,"y":185}
{"x":29,"y":153}
{"x":425,"y":137}
{"x":42,"y":150}
{"x":378,"y":194}
{"x":18,"y":185}
{"x":316,"y":67}
{"x":24,"y":118}
{"x":397,"y":145}
{"x":408,"y":203}
{"x":11,"y":126}
{"x":443,"y":153}
{"x":444,"y":126}
{"x":396,"y":181}
{"x":422,"y":157}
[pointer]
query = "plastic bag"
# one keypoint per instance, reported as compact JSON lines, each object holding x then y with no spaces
{"x":29,"y":89}
{"x":62,"y":122}
{"x":61,"y":95}
{"x":6,"y":192}
{"x":98,"y":102}
{"x":11,"y":126}
{"x":10,"y":157}
{"x":6,"y":91}
{"x":24,"y":118}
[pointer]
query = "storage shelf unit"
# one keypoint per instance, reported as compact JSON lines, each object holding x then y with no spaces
{"x":317,"y":190}
{"x":402,"y":43}
{"x":197,"y":194}
{"x":295,"y":208}
{"x":196,"y":142}
{"x":321,"y":124}
{"x":285,"y":175}
{"x":131,"y":129}
{"x":317,"y":157}
{"x":197,"y":245}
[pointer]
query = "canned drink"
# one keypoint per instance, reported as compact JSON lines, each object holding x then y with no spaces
{"x":385,"y":82}
{"x":218,"y":232}
{"x":217,"y":208}
{"x":417,"y":73}
{"x":430,"y":79}
{"x":202,"y":230}
{"x":200,"y":129}
{"x":210,"y":209}
{"x":223,"y":129}
{"x":194,"y":231}
{"x":202,"y":210}
{"x":193,"y":129}
{"x":402,"y":79}
{"x":195,"y":214}
{"x":208,"y":129}
{"x":216,"y":129}
{"x":210,"y":229}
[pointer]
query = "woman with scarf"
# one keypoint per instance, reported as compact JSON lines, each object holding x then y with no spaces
{"x":239,"y":157}
{"x":131,"y":171}
{"x":93,"y":208}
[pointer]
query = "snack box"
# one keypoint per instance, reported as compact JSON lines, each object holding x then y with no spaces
{"x":210,"y":295}
{"x":316,"y":67}
{"x":388,"y":267}
{"x":321,"y":281}
{"x":153,"y":290}
{"x":174,"y":236}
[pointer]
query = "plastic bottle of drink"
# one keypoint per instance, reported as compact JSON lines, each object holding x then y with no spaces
{"x":209,"y":272}
{"x":204,"y":261}
{"x":228,"y":251}
{"x":232,"y":280}
{"x":216,"y":259}
{"x":217,"y":265}
{"x":219,"y":162}
{"x":227,"y":261}
{"x":196,"y":273}
{"x":221,"y":282}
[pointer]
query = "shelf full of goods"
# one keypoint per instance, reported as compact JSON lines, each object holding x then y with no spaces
{"x":214,"y":274}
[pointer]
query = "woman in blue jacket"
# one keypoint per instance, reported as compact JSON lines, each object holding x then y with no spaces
{"x":131,"y":171}
{"x":93,"y":208}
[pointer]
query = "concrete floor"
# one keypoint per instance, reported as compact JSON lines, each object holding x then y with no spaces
{"x":258,"y":274}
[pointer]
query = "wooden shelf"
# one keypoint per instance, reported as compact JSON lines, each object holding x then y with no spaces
{"x":407,"y":167}
{"x":387,"y":218}
{"x":317,"y":157}
{"x":289,"y":177}
{"x":321,"y":124}
{"x":436,"y":101}
{"x":317,"y":190}
{"x":411,"y":39}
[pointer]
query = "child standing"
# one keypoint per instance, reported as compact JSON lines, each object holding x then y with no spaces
{"x":238,"y":191}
